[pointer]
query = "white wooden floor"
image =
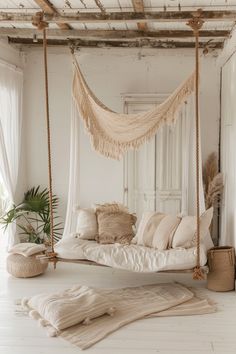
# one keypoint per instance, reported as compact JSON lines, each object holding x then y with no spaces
{"x":215,"y":333}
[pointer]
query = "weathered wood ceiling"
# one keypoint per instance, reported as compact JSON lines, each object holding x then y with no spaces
{"x":118,"y":23}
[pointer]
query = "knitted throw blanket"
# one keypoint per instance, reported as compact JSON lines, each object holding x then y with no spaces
{"x":91,"y":309}
{"x":112,"y":134}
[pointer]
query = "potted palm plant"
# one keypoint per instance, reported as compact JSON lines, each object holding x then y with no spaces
{"x":32,"y":216}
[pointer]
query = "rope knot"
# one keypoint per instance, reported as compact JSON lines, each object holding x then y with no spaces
{"x":196,"y":22}
{"x":38,"y":21}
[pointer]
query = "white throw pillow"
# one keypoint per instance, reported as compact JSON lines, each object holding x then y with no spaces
{"x":185,"y":235}
{"x":156,"y":230}
{"x":87,"y":228}
{"x":27,"y":249}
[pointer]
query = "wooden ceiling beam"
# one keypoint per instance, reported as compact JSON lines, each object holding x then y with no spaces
{"x":49,"y":9}
{"x":168,"y":16}
{"x":146,"y":43}
{"x":139,"y":8}
{"x":100,"y":6}
{"x":110,"y":34}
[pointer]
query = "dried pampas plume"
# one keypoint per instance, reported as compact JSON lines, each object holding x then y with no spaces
{"x":213,"y":181}
{"x":214,"y":191}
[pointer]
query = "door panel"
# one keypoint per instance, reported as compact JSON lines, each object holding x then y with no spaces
{"x":152,"y":174}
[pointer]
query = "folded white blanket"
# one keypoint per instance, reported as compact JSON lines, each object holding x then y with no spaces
{"x":27,"y":249}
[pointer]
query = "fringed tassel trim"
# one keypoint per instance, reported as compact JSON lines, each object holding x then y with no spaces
{"x":105,"y":144}
{"x":51,"y":331}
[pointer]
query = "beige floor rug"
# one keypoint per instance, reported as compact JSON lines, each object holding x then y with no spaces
{"x":170,"y":299}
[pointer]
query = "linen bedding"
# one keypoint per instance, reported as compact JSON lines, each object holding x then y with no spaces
{"x":132,"y":257}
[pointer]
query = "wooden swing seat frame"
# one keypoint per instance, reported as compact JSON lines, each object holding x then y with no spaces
{"x":204,"y":269}
{"x":198,"y":272}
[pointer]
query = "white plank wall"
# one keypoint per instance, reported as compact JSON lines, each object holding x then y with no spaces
{"x":214,"y":333}
{"x":228,"y":158}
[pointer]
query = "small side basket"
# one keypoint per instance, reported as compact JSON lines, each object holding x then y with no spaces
{"x":221,"y":262}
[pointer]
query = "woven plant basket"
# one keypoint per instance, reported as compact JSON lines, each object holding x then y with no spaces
{"x":25,"y":267}
{"x":221,"y":262}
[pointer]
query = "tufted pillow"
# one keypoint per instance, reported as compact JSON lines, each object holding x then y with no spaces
{"x":156,"y":230}
{"x":185,"y":235}
{"x":115,"y":227}
{"x":86,"y":228}
{"x":68,"y":308}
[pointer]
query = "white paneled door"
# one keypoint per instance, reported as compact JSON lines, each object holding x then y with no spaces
{"x":153,"y":173}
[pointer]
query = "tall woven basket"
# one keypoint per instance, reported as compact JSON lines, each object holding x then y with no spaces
{"x":221,"y":262}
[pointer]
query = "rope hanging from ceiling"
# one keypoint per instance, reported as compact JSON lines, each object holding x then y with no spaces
{"x":196,"y":24}
{"x":42,"y":25}
{"x":169,"y":110}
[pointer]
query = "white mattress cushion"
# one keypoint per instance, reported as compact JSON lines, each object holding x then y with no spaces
{"x":70,"y":248}
{"x":156,"y":230}
{"x":185,"y":235}
{"x":131,"y":257}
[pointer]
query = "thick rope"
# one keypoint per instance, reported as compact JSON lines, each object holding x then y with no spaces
{"x":197,"y":273}
{"x":196,"y":23}
{"x":38,"y":21}
{"x":48,"y":138}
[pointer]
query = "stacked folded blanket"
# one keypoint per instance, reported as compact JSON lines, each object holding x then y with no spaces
{"x":27,"y":249}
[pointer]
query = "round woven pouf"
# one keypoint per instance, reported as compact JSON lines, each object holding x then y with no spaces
{"x":221,"y":262}
{"x":25,"y":267}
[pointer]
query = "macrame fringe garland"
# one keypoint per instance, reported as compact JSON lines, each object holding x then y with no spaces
{"x":91,"y":109}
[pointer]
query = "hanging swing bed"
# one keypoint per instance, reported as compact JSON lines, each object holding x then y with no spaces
{"x":112,"y":135}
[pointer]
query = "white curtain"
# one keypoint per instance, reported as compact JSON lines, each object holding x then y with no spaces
{"x":189,"y":166}
{"x":228,"y":156}
{"x":189,"y":162}
{"x":11,"y":87}
{"x":73,"y":192}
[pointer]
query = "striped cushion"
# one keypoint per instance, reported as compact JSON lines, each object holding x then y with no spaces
{"x":157,"y":230}
{"x":65,"y":309}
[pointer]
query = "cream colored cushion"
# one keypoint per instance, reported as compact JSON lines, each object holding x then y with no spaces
{"x":87,"y":228}
{"x":27,"y":249}
{"x":156,"y":230}
{"x":185,"y":235}
{"x":65,"y":309}
{"x":115,"y":227}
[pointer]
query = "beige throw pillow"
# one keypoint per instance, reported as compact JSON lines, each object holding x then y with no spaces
{"x":110,"y":207}
{"x":115,"y":227}
{"x":156,"y":230}
{"x":87,"y":228}
{"x":185,"y":235}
